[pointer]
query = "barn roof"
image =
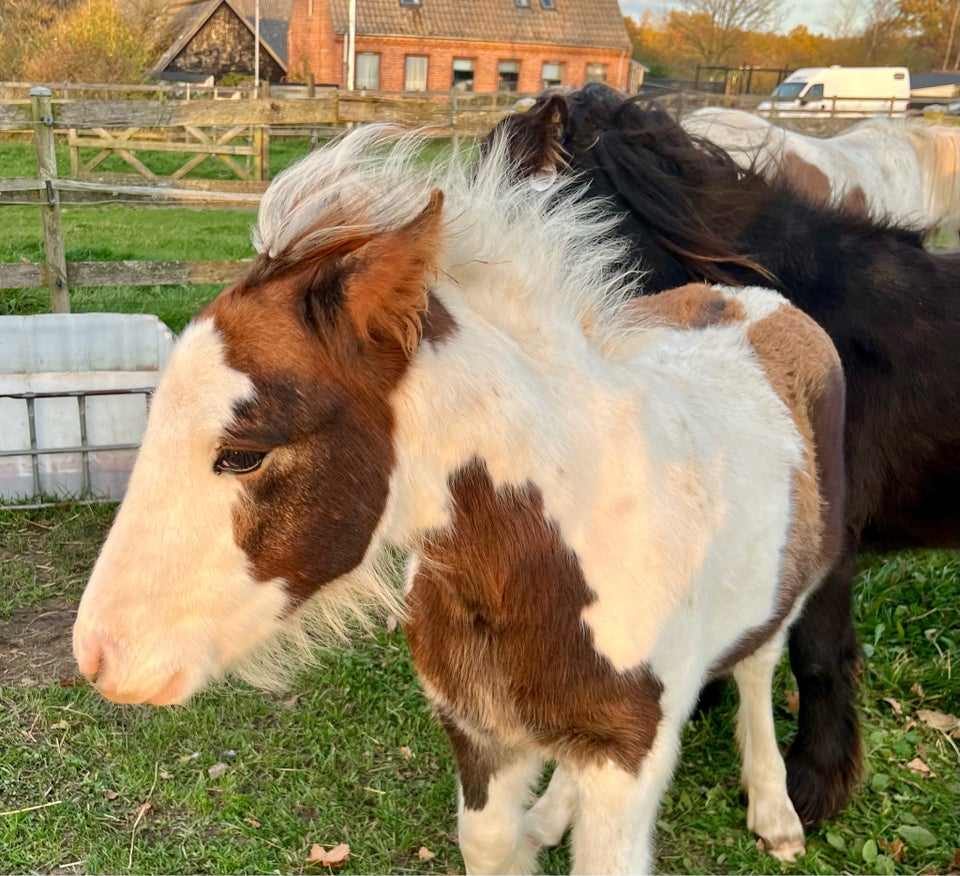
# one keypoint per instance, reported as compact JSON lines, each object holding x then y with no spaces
{"x":190,"y":18}
{"x":593,"y":23}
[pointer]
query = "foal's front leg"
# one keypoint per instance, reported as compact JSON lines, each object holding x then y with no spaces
{"x":493,"y":794}
{"x":617,"y":808}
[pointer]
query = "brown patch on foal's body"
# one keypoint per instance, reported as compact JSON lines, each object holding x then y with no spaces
{"x":695,"y":305}
{"x":494,"y":626}
{"x":804,"y":369}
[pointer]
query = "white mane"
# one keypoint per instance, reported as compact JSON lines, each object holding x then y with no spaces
{"x":556,"y":251}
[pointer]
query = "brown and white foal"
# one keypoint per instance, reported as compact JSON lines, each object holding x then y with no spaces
{"x":604,"y":501}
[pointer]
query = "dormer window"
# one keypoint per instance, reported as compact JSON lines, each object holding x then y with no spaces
{"x":409,"y":2}
{"x":548,"y":4}
{"x":522,"y":4}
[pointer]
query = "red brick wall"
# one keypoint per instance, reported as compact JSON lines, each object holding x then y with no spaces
{"x":311,"y":44}
{"x":314,"y":48}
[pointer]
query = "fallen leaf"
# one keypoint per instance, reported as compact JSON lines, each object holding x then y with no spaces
{"x":252,"y":822}
{"x":918,"y":766}
{"x":917,"y":689}
{"x":165,"y":775}
{"x":793,"y":701}
{"x":894,"y":704}
{"x":939,"y":721}
{"x":334,"y":858}
{"x":405,"y":751}
{"x":893,"y":849}
{"x":143,"y":809}
{"x":391,"y":623}
{"x":217,"y":770}
{"x":424,"y":854}
{"x":110,"y":795}
{"x":60,"y":725}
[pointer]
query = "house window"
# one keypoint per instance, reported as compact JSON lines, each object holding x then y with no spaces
{"x":368,"y":70}
{"x":552,"y":74}
{"x":508,"y":75}
{"x":415,"y":73}
{"x":463,"y":74}
{"x":409,"y":2}
{"x":523,"y":4}
{"x":548,"y":4}
{"x":596,"y":72}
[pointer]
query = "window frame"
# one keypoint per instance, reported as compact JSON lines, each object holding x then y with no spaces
{"x":516,"y":73}
{"x":356,"y":70}
{"x":426,"y":72}
{"x":552,"y":83}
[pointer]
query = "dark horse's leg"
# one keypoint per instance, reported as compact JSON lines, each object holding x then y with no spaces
{"x":824,"y":762}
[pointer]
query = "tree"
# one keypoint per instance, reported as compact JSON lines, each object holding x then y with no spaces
{"x":934,"y":23}
{"x":843,"y":20}
{"x":883,"y":24}
{"x":95,"y":41}
{"x":714,"y":29}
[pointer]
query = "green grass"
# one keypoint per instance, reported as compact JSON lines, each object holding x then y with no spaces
{"x":18,"y":159}
{"x":117,"y":232}
{"x":351,"y":754}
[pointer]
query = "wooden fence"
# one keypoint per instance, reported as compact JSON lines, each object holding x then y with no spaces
{"x":198,"y":129}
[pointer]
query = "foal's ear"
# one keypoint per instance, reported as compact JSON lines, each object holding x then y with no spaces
{"x":386,"y":292}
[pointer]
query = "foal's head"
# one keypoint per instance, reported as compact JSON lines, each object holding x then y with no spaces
{"x":265,"y":465}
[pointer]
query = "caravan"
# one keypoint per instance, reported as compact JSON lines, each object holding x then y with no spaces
{"x":844,"y":92}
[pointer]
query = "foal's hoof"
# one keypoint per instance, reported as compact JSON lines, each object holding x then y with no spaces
{"x":783,"y":850}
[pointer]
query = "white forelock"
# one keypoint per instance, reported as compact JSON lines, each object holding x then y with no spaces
{"x":559,"y":244}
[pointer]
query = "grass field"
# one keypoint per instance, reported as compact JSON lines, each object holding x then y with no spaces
{"x":239,"y":781}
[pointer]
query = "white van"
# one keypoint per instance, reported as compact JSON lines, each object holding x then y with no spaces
{"x":844,"y":92}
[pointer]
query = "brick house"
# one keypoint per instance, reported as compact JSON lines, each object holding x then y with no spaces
{"x":218,"y":37}
{"x":467,"y":45}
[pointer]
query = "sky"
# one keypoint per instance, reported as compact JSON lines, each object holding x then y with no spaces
{"x":815,"y":14}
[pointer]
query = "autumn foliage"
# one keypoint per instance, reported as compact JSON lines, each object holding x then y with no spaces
{"x":912,"y":33}
{"x":81,"y":40}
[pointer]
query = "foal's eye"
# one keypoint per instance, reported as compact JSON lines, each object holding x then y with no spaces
{"x":238,"y":461}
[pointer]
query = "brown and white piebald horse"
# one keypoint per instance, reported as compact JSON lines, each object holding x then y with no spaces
{"x":605,"y":500}
{"x":907,"y":173}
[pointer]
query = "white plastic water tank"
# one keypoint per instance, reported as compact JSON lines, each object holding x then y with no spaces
{"x":69,"y":355}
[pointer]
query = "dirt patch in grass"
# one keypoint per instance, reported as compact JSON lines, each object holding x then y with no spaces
{"x":36,"y":647}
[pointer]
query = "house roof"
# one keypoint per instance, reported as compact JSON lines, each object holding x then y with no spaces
{"x":593,"y":23}
{"x":274,"y":22}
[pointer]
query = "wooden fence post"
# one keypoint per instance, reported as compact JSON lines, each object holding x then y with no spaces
{"x":261,"y":158}
{"x":55,"y":266}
